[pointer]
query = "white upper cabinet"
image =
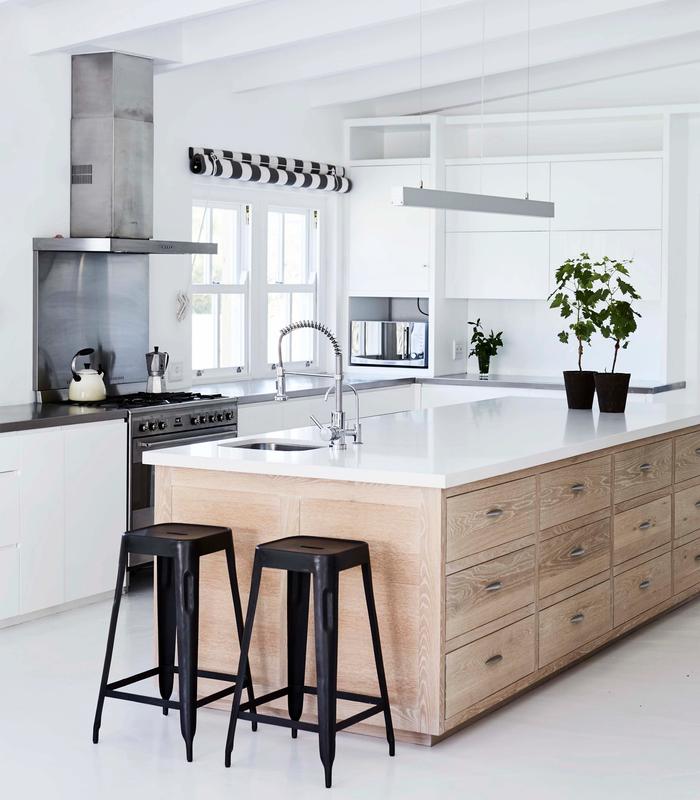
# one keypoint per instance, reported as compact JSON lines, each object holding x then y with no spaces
{"x":505,"y":180}
{"x":389,"y":248}
{"x":497,"y":265}
{"x":613,"y":194}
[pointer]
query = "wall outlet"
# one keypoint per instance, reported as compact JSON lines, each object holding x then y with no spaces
{"x":459,"y":350}
{"x":176,"y":371}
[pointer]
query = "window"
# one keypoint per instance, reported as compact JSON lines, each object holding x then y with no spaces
{"x":220,"y":287}
{"x":245,"y":294}
{"x":292,"y":266}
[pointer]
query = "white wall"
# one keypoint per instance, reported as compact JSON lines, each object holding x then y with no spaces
{"x":34,"y":186}
{"x":194,"y":107}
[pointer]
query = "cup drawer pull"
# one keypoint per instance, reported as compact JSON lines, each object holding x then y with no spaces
{"x":493,"y":660}
{"x":645,"y":467}
{"x":494,"y":587}
{"x":645,"y":584}
{"x":644,"y":526}
{"x":577,"y":552}
{"x":697,"y":557}
{"x":494,"y":513}
{"x":697,"y":504}
{"x":577,"y":618}
{"x":697,"y":451}
{"x":577,"y":488}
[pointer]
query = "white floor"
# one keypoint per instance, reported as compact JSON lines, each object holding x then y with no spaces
{"x":625,"y":724}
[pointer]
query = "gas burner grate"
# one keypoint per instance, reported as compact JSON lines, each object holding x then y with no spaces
{"x":146,"y":399}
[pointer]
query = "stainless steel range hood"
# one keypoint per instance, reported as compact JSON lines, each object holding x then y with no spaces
{"x":111,"y":200}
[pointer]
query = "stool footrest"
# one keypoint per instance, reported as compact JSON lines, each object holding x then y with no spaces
{"x":376,"y":707}
{"x":111,"y":690}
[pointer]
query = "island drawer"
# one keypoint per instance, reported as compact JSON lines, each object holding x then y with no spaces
{"x":573,"y":622}
{"x":686,"y":505}
{"x":686,"y":566}
{"x":643,"y":469}
{"x":489,"y":517}
{"x":489,"y":664}
{"x":571,"y":557}
{"x":641,"y":529}
{"x":641,"y":588}
{"x":571,"y":492}
{"x":687,"y":457}
{"x":489,"y":590}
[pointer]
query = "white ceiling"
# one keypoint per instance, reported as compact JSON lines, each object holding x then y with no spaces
{"x":364,"y":53}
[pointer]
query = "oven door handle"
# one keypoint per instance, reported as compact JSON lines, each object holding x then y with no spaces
{"x":184,"y":440}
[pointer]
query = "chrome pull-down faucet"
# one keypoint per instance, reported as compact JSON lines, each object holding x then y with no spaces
{"x":336,"y":431}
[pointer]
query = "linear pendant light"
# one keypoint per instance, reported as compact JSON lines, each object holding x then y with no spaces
{"x":419,"y":197}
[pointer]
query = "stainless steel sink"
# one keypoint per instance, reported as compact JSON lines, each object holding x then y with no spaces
{"x":282,"y":447}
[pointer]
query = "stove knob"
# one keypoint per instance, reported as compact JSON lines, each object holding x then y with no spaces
{"x":220,"y":417}
{"x":152,"y":426}
{"x":143,"y":427}
{"x":195,"y":420}
{"x":162,"y":425}
{"x":202,"y":418}
{"x":229,"y":415}
{"x":212,"y":418}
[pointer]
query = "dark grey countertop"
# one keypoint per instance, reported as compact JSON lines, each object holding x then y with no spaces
{"x":538,"y":382}
{"x":36,"y":415}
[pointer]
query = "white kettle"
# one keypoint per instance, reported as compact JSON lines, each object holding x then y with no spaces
{"x":87,"y":385}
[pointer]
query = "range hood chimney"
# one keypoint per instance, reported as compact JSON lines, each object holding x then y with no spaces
{"x":111,"y":192}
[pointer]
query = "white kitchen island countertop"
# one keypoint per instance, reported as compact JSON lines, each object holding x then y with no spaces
{"x":446,"y":446}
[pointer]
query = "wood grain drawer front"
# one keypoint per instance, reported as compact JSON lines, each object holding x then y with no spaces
{"x":687,"y":457}
{"x":641,"y":588}
{"x":571,"y":557}
{"x":575,"y":491}
{"x":687,"y":511}
{"x":686,"y":566}
{"x":573,"y":622}
{"x":487,"y":665}
{"x":490,"y":590}
{"x":490,"y":517}
{"x":643,"y":469}
{"x":641,"y":529}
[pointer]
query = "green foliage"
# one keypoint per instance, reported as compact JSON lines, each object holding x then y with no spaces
{"x":577,"y":295}
{"x":617,"y":319}
{"x":484,"y":345}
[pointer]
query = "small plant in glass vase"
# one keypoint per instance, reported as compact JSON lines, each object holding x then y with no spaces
{"x":617,"y":321}
{"x":484,"y":347}
{"x":576,"y":296}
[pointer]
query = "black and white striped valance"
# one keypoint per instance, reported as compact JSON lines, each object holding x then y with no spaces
{"x":279,"y":170}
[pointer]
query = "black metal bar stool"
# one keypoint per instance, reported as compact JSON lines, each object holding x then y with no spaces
{"x":177,"y":548}
{"x":324,"y":559}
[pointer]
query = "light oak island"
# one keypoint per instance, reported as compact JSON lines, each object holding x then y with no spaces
{"x":509,"y":539}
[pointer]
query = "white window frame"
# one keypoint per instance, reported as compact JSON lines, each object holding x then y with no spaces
{"x":261,"y":199}
{"x":243,"y":242}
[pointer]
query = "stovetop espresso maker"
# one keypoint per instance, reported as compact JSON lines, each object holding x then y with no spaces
{"x":156,"y":364}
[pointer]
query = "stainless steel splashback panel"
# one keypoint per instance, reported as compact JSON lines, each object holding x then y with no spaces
{"x":112,"y":146}
{"x":385,"y":343}
{"x":95,"y":300}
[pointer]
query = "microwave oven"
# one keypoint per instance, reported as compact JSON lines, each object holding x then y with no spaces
{"x":389,"y":344}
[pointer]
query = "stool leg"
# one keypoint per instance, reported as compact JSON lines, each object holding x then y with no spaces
{"x":121,"y":572}
{"x":298,"y":587}
{"x":187,"y":611}
{"x":165,"y":595}
{"x":378,"y":659}
{"x":238,"y":613}
{"x":326,"y":625}
{"x":243,"y":660}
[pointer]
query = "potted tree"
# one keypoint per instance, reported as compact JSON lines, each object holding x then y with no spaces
{"x":576,"y":297}
{"x":484,"y":347}
{"x":617,"y":321}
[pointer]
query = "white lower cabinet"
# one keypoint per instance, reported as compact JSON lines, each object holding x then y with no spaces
{"x":434,"y":395}
{"x":95,"y":506}
{"x":63,"y":507}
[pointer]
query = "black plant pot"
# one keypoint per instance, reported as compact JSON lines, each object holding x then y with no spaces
{"x":612,"y":388}
{"x":580,"y":388}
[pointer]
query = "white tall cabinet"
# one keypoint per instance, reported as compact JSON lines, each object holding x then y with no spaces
{"x":63,"y":509}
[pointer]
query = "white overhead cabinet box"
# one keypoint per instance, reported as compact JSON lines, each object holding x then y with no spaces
{"x":63,"y":510}
{"x":389,"y":248}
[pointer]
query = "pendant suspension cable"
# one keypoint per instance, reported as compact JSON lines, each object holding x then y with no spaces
{"x":420,"y":80}
{"x":527,"y":111}
{"x":483,"y":71}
